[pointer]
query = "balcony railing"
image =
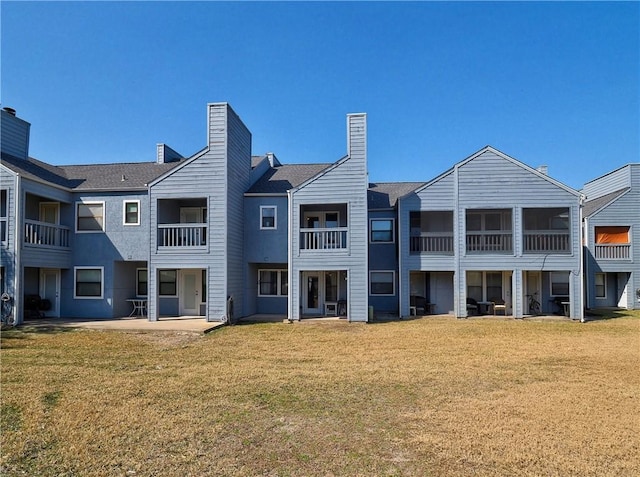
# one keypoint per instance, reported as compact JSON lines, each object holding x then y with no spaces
{"x":324,"y":239}
{"x":44,"y":234}
{"x":546,"y":241}
{"x":613,"y":251}
{"x":432,"y":243}
{"x":494,"y":241}
{"x":182,"y":235}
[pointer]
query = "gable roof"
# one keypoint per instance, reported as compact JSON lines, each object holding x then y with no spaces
{"x":280,"y":179}
{"x":118,"y":176}
{"x":507,"y":158}
{"x":595,"y":205}
{"x":385,"y":195}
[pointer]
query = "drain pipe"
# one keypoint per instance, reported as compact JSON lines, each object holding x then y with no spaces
{"x":17,"y":244}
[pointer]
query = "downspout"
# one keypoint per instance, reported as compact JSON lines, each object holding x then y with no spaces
{"x":582,"y":256}
{"x":400,"y":260}
{"x":290,"y":256}
{"x":456,"y":244}
{"x":17,"y":273}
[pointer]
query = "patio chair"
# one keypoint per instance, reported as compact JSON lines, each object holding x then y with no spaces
{"x":472,"y":306}
{"x":499,"y":305}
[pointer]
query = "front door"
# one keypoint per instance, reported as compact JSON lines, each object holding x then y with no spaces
{"x":623,"y":285}
{"x":50,"y":290}
{"x":311,"y":294}
{"x":190,"y":292}
{"x":50,"y":212}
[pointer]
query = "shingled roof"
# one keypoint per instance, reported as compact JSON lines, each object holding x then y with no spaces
{"x":118,"y":176}
{"x":385,"y":195}
{"x":592,"y":206}
{"x":280,"y":179}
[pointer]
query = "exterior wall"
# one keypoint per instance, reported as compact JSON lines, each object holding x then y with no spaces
{"x":238,"y":179}
{"x":384,"y":257}
{"x":14,"y":135}
{"x":268,"y":246}
{"x":491,"y":181}
{"x":112,"y":249}
{"x":220,"y":175}
{"x":345,"y":182}
{"x":623,"y":211}
{"x":611,"y":182}
{"x":8,"y":183}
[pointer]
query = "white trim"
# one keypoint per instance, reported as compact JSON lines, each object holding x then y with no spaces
{"x":275,"y":217}
{"x":104,"y":216}
{"x":393,"y":274}
{"x":75,"y":283}
{"x":393,"y":230}
{"x":124,"y":211}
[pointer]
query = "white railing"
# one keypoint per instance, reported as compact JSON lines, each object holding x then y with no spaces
{"x":494,"y":241}
{"x":613,"y":251}
{"x":547,"y":241}
{"x":43,"y":234}
{"x":182,"y":235}
{"x":323,"y":239}
{"x":432,"y":243}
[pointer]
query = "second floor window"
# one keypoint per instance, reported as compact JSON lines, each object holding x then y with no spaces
{"x":131,"y":212}
{"x":268,"y":217}
{"x":90,"y":217}
{"x":381,"y":231}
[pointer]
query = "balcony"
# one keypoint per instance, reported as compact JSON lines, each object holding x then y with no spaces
{"x":44,"y":234}
{"x":546,"y":241}
{"x":613,"y":251}
{"x":493,"y":241}
{"x":334,"y":238}
{"x":433,"y":243}
{"x":182,"y":236}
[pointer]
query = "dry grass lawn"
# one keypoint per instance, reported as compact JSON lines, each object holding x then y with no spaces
{"x":431,"y":396}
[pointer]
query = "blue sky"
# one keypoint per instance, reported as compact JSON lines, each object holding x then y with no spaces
{"x":547,"y":83}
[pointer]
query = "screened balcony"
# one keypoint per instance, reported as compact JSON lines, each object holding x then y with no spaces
{"x":489,"y":231}
{"x":324,"y":227}
{"x":182,"y":224}
{"x":546,"y":230}
{"x":431,"y":232}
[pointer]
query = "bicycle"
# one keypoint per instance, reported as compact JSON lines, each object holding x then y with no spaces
{"x":7,"y":310}
{"x":534,"y":305}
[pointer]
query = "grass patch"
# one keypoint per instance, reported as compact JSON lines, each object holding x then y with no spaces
{"x":433,"y":396}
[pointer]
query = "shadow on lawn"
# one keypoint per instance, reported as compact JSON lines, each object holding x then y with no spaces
{"x":11,"y":337}
{"x":601,"y":314}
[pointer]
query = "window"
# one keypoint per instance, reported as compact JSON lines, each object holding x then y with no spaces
{"x":88,"y":282}
{"x":167,"y":282}
{"x":131,"y":213}
{"x":474,"y":285}
{"x":3,"y":215}
{"x":141,"y":282}
{"x":382,"y":283}
{"x":268,"y":216}
{"x":559,"y":283}
{"x":381,"y":230}
{"x":273,"y":282}
{"x":601,"y":285}
{"x":204,"y":286}
{"x":89,"y":216}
